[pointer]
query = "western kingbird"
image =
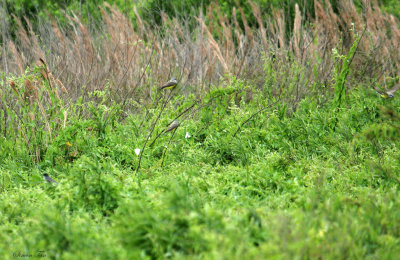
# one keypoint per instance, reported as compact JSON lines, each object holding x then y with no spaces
{"x":49,"y":179}
{"x":172,"y":126}
{"x":170,"y":84}
{"x":388,"y":93}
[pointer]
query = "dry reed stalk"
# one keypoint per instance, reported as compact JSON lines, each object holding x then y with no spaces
{"x":237,"y":27}
{"x":308,"y":47}
{"x":272,"y":30}
{"x":229,"y":48}
{"x":210,"y":70}
{"x":280,"y":28}
{"x":178,"y":27}
{"x":57,"y":31}
{"x":243,"y":46}
{"x":125,"y":28}
{"x":34,"y":45}
{"x":210,"y":17}
{"x":297,"y":32}
{"x":230,"y":45}
{"x":394,"y":26}
{"x":43,"y":71}
{"x":369,"y":17}
{"x":217,"y":30}
{"x":229,"y":37}
{"x":330,"y":23}
{"x":76,"y":54}
{"x":202,"y":53}
{"x":173,"y":43}
{"x":206,"y":64}
{"x":243,"y":58}
{"x":335,"y":21}
{"x":86,"y":40}
{"x":324,"y":28}
{"x":14,"y":87}
{"x":21,"y":32}
{"x":138,"y":19}
{"x":158,"y":49}
{"x":247,"y":29}
{"x":206,"y":56}
{"x":381,"y":33}
{"x":222,"y":24}
{"x":174,"y":58}
{"x":123,"y":54}
{"x":214,"y":44}
{"x":379,"y":17}
{"x":16,"y":56}
{"x":111,"y":30}
{"x":257,"y":14}
{"x":62,"y":88}
{"x":53,"y":86}
{"x":349,"y":14}
{"x":48,"y":76}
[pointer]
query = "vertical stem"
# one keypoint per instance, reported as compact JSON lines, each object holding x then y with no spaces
{"x":4,"y":41}
{"x":152,"y":129}
{"x":165,"y":151}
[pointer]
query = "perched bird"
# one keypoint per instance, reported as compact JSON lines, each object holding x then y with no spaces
{"x":172,"y":126}
{"x":170,"y":84}
{"x":388,"y":93}
{"x":49,"y":179}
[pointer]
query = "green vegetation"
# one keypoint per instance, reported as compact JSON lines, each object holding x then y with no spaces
{"x":284,"y":149}
{"x":286,"y":186}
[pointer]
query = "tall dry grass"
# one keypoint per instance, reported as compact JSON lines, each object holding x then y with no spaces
{"x":131,"y":60}
{"x":33,"y":110}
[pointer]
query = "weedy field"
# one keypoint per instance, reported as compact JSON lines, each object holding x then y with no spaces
{"x":284,"y":149}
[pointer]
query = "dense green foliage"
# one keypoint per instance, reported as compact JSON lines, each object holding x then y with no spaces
{"x":286,"y":186}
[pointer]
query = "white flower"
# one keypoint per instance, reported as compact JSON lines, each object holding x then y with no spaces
{"x":187,"y":135}
{"x":137,"y":151}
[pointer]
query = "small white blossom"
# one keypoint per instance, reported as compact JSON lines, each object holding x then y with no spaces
{"x":137,"y":151}
{"x":187,"y":135}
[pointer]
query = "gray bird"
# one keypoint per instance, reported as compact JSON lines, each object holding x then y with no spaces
{"x":172,"y":126}
{"x":388,"y":93}
{"x":48,"y":179}
{"x":170,"y":84}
